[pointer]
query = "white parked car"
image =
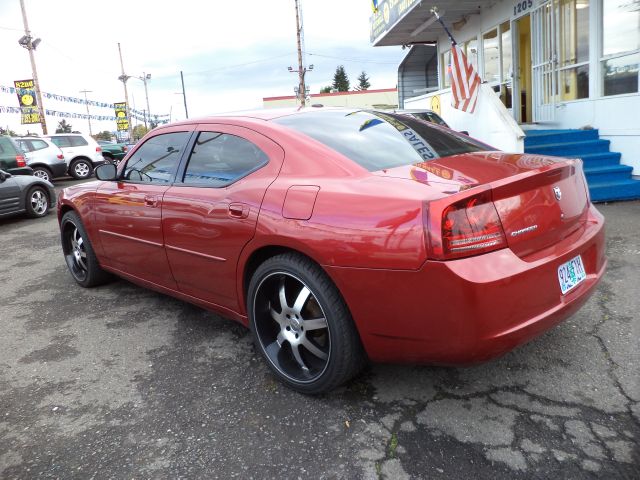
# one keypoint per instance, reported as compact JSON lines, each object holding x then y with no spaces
{"x":44,"y":157}
{"x":81,"y":151}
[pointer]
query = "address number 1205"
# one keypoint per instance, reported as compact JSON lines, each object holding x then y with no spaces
{"x":522,"y":7}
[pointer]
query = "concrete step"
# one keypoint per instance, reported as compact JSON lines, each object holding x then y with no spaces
{"x":610,"y":191}
{"x":542,"y":137}
{"x":572,"y":149}
{"x":603,"y":159}
{"x":607,"y":173}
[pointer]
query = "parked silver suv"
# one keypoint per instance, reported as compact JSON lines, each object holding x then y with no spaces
{"x":81,"y":151}
{"x":45,"y":158}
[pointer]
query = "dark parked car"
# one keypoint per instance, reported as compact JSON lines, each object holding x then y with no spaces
{"x":25,"y":194}
{"x":339,"y":236}
{"x":113,"y":152}
{"x":12,"y":158}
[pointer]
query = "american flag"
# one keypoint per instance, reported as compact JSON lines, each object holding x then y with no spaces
{"x":465,"y":82}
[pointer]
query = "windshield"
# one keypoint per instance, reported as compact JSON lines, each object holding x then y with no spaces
{"x":377,"y":140}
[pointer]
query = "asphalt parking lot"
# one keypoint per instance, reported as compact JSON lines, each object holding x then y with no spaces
{"x":122,"y":382}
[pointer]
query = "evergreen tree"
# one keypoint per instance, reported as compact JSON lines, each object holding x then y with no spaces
{"x":64,"y":127}
{"x":363,"y":82}
{"x":326,"y":89}
{"x":340,"y":80}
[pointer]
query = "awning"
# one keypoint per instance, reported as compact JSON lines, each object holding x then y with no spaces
{"x":406,"y":22}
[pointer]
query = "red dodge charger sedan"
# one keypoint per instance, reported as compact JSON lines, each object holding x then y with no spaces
{"x":340,"y":236}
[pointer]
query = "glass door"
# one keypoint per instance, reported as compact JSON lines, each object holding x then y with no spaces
{"x":544,"y":53}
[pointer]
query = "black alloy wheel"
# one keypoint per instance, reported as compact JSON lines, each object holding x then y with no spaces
{"x":78,"y":253}
{"x":302,"y":326}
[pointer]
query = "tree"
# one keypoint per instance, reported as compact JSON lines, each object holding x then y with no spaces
{"x":340,"y":80}
{"x":363,"y":82}
{"x":7,"y":131}
{"x":139,"y":131}
{"x":326,"y":89}
{"x":64,"y":127}
{"x":104,"y":135}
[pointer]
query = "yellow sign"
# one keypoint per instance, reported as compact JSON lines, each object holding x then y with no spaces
{"x":435,"y":104}
{"x":29,"y":111}
{"x":122,"y":122}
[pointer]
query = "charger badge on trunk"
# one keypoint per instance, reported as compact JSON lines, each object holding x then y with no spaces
{"x":557,"y":192}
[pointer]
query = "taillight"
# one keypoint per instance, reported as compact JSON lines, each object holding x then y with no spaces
{"x":60,"y":156}
{"x":125,"y":148}
{"x":467,"y":227}
{"x":20,"y":161}
{"x":98,"y":149}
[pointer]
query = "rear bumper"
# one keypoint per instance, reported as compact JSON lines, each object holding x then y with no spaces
{"x":58,"y":169}
{"x":469,"y":310}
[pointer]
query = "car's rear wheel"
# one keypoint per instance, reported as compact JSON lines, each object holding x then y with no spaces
{"x":37,"y":202}
{"x":78,"y":253}
{"x":81,"y":169}
{"x":42,"y":172}
{"x":302,"y":326}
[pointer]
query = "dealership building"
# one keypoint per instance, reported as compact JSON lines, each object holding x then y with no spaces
{"x":560,"y":77}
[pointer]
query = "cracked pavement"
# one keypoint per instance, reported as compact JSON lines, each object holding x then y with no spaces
{"x":119,"y":382}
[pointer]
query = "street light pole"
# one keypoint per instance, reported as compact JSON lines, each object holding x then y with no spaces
{"x":86,"y":102}
{"x":31,"y":46}
{"x":184,"y":96}
{"x":145,"y":77}
{"x":124,"y":79}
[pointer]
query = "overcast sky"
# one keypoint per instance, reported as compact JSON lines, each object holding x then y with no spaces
{"x":232,"y":53}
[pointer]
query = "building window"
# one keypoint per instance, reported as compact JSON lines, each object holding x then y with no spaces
{"x":470,"y":49}
{"x":491,"y":56}
{"x":446,"y":68}
{"x":573,"y":49}
{"x":620,"y":47}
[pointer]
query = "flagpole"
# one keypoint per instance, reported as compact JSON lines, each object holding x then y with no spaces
{"x":434,"y":10}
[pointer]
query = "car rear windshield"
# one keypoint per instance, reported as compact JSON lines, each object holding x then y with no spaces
{"x":377,"y":140}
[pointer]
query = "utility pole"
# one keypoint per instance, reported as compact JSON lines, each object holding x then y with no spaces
{"x":124,"y":77}
{"x":31,"y":45}
{"x":184,"y":95}
{"x":86,"y":102}
{"x":301,"y":89}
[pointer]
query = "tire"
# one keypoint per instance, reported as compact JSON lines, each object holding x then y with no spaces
{"x":302,"y":326}
{"x":109,"y":159}
{"x":37,"y":202}
{"x":81,"y":169}
{"x":78,"y":253}
{"x":42,"y":172}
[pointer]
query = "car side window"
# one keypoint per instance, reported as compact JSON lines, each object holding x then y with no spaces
{"x":61,"y":141}
{"x":24,"y":145}
{"x":219,"y":159}
{"x":38,"y":144}
{"x":78,"y":142}
{"x":156,"y":160}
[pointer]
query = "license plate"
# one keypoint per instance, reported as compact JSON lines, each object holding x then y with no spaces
{"x":571,"y":274}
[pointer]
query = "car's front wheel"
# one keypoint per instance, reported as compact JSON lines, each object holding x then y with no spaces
{"x":37,"y":202}
{"x":302,"y":326}
{"x":78,"y":253}
{"x":81,"y":169}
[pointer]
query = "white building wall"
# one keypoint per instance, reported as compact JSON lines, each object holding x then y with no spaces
{"x":616,"y":117}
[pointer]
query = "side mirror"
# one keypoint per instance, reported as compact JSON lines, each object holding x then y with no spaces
{"x":106,"y":171}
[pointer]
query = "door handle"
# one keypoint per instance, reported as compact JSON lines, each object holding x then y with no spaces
{"x":151,"y":200}
{"x":238,"y":210}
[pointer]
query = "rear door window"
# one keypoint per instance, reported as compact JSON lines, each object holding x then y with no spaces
{"x":38,"y":144}
{"x":78,"y":142}
{"x":220,"y":159}
{"x":61,"y":142}
{"x":156,"y":160}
